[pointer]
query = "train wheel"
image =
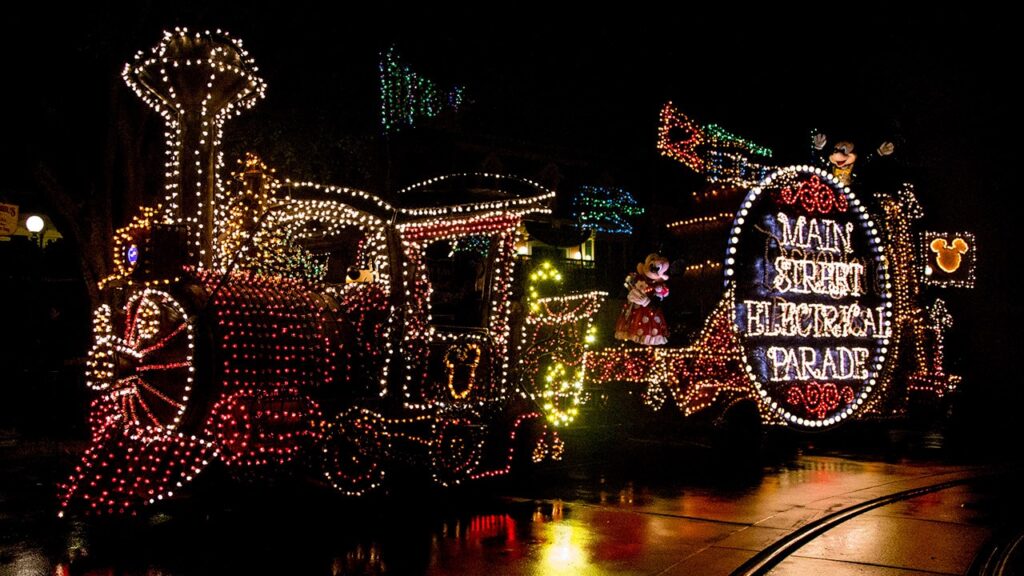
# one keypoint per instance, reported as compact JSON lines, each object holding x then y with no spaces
{"x":455,"y":450}
{"x":352,"y":452}
{"x":143,"y":362}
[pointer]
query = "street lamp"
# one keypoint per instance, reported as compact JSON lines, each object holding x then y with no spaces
{"x":35,"y":225}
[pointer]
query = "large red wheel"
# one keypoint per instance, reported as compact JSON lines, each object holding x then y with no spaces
{"x":143,"y":361}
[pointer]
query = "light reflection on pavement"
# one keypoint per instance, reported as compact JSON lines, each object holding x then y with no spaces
{"x":580,"y":520}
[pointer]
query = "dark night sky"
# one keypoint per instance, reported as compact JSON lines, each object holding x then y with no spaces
{"x":937,"y":82}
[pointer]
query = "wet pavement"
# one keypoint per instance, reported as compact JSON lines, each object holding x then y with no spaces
{"x":666,"y":510}
{"x":936,"y":533}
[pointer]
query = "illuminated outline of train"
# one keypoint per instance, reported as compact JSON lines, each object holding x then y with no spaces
{"x":217,"y":344}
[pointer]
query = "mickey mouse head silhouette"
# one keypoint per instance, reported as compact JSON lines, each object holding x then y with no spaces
{"x":948,"y":256}
{"x":461,"y":361}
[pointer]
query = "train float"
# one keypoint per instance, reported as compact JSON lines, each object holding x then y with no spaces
{"x":266,"y":325}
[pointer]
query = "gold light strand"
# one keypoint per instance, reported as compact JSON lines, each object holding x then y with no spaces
{"x":720,"y":218}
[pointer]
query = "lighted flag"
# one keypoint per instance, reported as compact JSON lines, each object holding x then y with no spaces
{"x":710,"y":150}
{"x":407,"y":96}
{"x":605,"y":209}
{"x":680,"y":138}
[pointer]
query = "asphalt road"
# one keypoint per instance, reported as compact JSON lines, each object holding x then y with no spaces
{"x":645,"y":508}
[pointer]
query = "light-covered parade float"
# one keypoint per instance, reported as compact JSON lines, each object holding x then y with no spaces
{"x":267,"y":325}
{"x":821,"y":316}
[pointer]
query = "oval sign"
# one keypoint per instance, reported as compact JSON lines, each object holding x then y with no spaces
{"x":812,"y":296}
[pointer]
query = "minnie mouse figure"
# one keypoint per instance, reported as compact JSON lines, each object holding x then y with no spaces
{"x":641,"y":321}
